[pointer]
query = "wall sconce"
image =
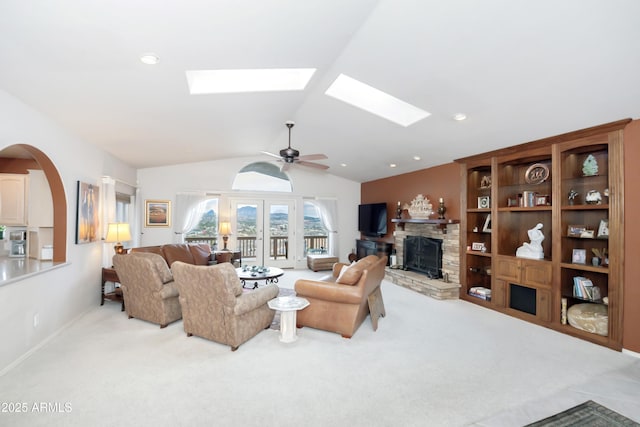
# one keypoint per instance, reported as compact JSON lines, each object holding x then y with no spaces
{"x":118,"y":232}
{"x":225,"y":230}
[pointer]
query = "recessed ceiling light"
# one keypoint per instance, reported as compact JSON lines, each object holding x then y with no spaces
{"x":375,"y":101}
{"x":248,"y":80}
{"x":459,"y":117}
{"x":344,"y":165}
{"x":392,"y":165}
{"x":416,"y":157}
{"x":150,"y":59}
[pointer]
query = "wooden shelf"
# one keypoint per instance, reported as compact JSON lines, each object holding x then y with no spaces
{"x":479,"y":253}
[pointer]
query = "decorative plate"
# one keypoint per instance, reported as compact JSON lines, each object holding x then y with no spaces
{"x":536,"y":173}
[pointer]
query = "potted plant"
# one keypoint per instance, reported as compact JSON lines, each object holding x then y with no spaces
{"x":2,"y":228}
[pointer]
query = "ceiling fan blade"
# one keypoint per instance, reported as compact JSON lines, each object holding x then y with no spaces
{"x":313,"y":157}
{"x":277,"y":156}
{"x":312,"y":165}
{"x":285,"y":167}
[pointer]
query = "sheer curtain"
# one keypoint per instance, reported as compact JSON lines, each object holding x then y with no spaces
{"x":328,"y":210}
{"x":188,"y":211}
{"x":108,"y":207}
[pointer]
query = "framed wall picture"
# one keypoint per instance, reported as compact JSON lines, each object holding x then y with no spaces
{"x":579,"y":256}
{"x":603,"y":229}
{"x":87,"y":213}
{"x":157,"y":213}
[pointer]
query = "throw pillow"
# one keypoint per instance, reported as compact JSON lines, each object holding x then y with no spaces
{"x":349,"y":274}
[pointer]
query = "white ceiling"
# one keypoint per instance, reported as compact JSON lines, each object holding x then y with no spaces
{"x":520,"y":69}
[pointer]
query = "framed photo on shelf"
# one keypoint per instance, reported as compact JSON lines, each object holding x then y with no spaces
{"x":579,"y":256}
{"x":484,"y":202}
{"x":603,"y":228}
{"x":157,"y":213}
{"x":477,"y":246}
{"x":487,"y":224}
{"x":575,"y":230}
{"x":542,"y":200}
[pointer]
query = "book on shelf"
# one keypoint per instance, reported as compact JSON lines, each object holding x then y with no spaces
{"x":584,"y":288}
{"x":480,"y":292}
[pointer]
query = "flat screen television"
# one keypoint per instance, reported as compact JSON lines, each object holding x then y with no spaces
{"x":372,"y":219}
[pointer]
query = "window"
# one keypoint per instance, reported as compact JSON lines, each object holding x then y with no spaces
{"x":206,"y":228}
{"x":315,"y":232}
{"x":123,"y":205}
{"x":262,"y":176}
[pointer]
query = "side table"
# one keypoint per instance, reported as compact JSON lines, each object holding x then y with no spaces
{"x":110,"y":275}
{"x":288,"y":306}
{"x":234,"y":257}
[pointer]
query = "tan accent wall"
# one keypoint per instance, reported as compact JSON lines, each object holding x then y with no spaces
{"x":631,"y":315}
{"x":439,"y":181}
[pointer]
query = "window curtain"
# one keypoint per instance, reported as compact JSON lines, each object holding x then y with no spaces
{"x":135,"y":219}
{"x":108,"y":214}
{"x":188,"y":211}
{"x":329,"y":216}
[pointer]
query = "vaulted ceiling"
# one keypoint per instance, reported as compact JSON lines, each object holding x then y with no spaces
{"x":520,"y":70}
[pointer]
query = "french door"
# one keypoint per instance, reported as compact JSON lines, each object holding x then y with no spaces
{"x":264,"y":231}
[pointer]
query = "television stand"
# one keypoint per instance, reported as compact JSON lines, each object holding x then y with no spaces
{"x":372,"y":247}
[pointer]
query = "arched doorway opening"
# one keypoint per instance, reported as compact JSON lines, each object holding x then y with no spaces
{"x":57,"y":195}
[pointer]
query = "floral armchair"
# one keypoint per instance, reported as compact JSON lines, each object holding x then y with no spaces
{"x":215,"y":307}
{"x":148,"y":288}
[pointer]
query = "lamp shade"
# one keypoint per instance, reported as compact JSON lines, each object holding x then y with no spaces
{"x":118,"y":232}
{"x":225,"y":228}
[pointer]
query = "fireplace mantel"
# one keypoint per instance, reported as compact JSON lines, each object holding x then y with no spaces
{"x":441,"y":223}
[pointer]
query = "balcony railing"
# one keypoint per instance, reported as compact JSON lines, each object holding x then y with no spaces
{"x":279,"y":245}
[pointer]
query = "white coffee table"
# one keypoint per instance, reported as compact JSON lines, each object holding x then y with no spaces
{"x":288,"y":306}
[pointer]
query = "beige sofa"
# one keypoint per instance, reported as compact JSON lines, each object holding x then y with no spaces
{"x":215,"y":307}
{"x":340,"y":302}
{"x":148,"y":288}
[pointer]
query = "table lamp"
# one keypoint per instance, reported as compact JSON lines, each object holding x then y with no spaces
{"x":118,"y":232}
{"x":225,"y":230}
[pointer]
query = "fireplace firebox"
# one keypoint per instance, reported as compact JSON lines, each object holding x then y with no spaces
{"x":424,"y":255}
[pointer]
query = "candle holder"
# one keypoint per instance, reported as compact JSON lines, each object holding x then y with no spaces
{"x":399,"y":211}
{"x":441,"y":210}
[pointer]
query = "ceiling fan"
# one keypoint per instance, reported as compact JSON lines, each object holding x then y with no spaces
{"x":290,"y":155}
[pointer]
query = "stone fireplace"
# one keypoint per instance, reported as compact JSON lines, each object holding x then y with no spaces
{"x":447,"y":286}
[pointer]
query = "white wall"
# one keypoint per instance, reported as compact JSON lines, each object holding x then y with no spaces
{"x":58,"y":296}
{"x":217,"y":177}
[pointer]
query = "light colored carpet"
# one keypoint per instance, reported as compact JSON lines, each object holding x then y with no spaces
{"x":430,"y":363}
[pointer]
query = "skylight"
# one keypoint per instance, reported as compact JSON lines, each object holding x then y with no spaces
{"x":248,"y":80}
{"x":375,"y":101}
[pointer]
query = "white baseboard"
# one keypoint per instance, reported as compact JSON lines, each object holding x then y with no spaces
{"x":38,"y":346}
{"x":631,"y":353}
